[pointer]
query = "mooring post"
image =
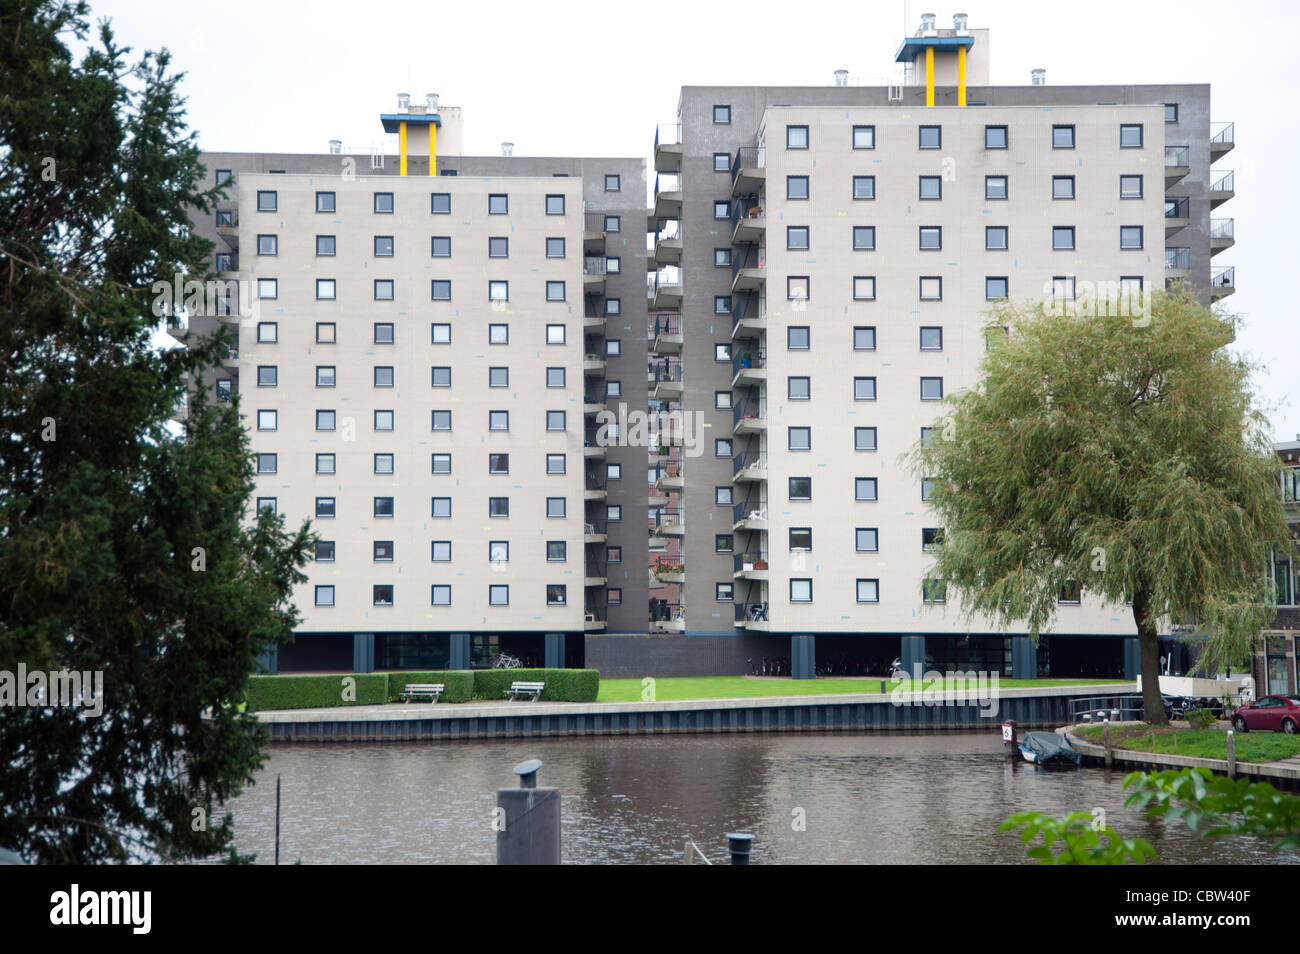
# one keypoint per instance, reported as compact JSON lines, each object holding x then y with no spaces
{"x":1232,"y":754}
{"x":739,"y":844}
{"x":528,"y":820}
{"x":277,"y":819}
{"x":1105,"y":734}
{"x":1009,"y":738}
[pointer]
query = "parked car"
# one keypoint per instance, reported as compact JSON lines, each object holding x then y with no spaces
{"x":1269,"y":713}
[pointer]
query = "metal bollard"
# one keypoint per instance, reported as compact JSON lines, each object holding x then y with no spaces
{"x":1232,"y":754}
{"x":529,"y":829}
{"x":739,"y":844}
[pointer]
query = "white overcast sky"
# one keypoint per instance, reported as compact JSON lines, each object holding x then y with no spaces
{"x":585,"y":78}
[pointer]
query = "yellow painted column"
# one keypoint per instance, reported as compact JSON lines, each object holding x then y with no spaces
{"x":929,"y":76}
{"x":961,"y":76}
{"x":433,"y":149}
{"x":401,"y":148}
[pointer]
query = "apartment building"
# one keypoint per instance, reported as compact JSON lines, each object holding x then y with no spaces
{"x":831,"y":255}
{"x":426,"y":342}
{"x":1276,"y":655}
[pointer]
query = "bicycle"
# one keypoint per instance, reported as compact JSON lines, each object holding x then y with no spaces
{"x":506,"y":661}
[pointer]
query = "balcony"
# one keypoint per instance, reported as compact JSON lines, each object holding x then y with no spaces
{"x":668,"y":196}
{"x":1176,"y":215}
{"x":1222,"y":137}
{"x":752,"y":616}
{"x":668,"y":248}
{"x":594,"y":621}
{"x":1221,"y":235}
{"x":668,"y":147}
{"x":749,"y":317}
{"x":593,"y":451}
{"x":749,"y":516}
{"x":669,"y":432}
{"x":748,"y":226}
{"x":667,"y":617}
{"x":1222,"y":189}
{"x":593,"y":491}
{"x":593,"y":275}
{"x":593,"y":233}
{"x":593,"y":533}
{"x":593,"y":366}
{"x":667,"y":335}
{"x":749,"y":369}
{"x":748,"y":271}
{"x":592,"y":404}
{"x":1223,"y":282}
{"x":669,"y":569}
{"x":749,"y":466}
{"x":669,"y":523}
{"x":1178,"y":163}
{"x":749,"y":566}
{"x":595,"y":575}
{"x":748,"y":170}
{"x":228,"y":226}
{"x":748,"y":417}
{"x":656,"y":499}
{"x":664,"y":290}
{"x":671,"y":479}
{"x":1178,"y":262}
{"x":668,"y":379}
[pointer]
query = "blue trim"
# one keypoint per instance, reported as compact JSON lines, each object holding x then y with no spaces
{"x":942,"y":44}
{"x":392,"y":121}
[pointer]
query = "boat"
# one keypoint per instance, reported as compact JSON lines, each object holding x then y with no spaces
{"x":1048,"y":748}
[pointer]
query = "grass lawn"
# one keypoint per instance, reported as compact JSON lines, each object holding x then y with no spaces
{"x":1204,"y":744}
{"x":741,"y":687}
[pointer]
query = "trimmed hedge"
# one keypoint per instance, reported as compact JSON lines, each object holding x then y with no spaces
{"x":562,"y":685}
{"x":458,"y":684}
{"x":307,"y":692}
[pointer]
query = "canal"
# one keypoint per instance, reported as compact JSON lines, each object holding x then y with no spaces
{"x":869,"y":798}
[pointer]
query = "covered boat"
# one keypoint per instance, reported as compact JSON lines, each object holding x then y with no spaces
{"x":1043,"y":748}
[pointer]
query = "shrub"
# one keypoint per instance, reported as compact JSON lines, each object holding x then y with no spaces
{"x":458,"y":684}
{"x":1201,"y":719}
{"x":306,"y":692}
{"x":562,"y":685}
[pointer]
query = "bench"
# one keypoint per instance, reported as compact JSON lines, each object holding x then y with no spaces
{"x":518,"y":689}
{"x":431,"y":689}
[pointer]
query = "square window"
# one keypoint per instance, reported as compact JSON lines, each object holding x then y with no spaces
{"x":613,"y":389}
{"x":797,"y":338}
{"x":995,"y":287}
{"x":931,"y":538}
{"x":723,"y":496}
{"x":268,"y":375}
{"x":383,"y":332}
{"x":613,"y":266}
{"x":613,"y":182}
{"x":225,"y":262}
{"x":440,"y":594}
{"x":554,"y":204}
{"x":721,"y":209}
{"x":500,"y":204}
{"x":555,"y":334}
{"x":555,"y":420}
{"x":1071,"y":592}
{"x":722,"y":115}
{"x":866,"y":539}
{"x":797,"y":389}
{"x":326,"y":376}
{"x":864,"y":137}
{"x":800,"y":538}
{"x":613,"y":306}
{"x":927,"y":436}
{"x":498,"y":507}
{"x":1130,"y":187}
{"x":722,"y":400}
{"x":722,"y":304}
{"x":439,"y":334}
{"x":722,"y":592}
{"x":556,"y":594}
{"x":555,"y":377}
{"x":864,"y":237}
{"x":556,"y":550}
{"x":864,"y":488}
{"x":325,"y":202}
{"x":555,"y":247}
{"x":384,"y":420}
{"x":995,"y":237}
{"x":440,"y":203}
{"x":613,"y":347}
{"x":796,"y":237}
{"x":864,"y":287}
{"x":1062,"y":137}
{"x":325,"y":507}
{"x":267,"y":200}
{"x":266,"y":420}
{"x":722,"y":162}
{"x":324,"y":551}
{"x":722,"y":448}
{"x":325,"y":464}
{"x":613,"y":223}
{"x":325,"y":420}
{"x":797,"y":288}
{"x":267,"y":463}
{"x":498,"y":463}
{"x":933,"y":591}
{"x":931,"y":288}
{"x":864,"y":338}
{"x":441,"y":289}
{"x":325,"y":289}
{"x":864,"y":438}
{"x":440,"y":507}
{"x":383,"y":289}
{"x":723,"y":543}
{"x":1063,"y":287}
{"x":268,"y":288}
{"x":499,"y":551}
{"x":498,"y":377}
{"x":995,"y":187}
{"x":441,"y":421}
{"x":383,"y":376}
{"x":799,"y":438}
{"x":440,"y":246}
{"x":498,"y":420}
{"x":382,"y":551}
{"x":864,"y":389}
{"x":931,"y":339}
{"x":927,"y":489}
{"x":440,"y":551}
{"x":268,"y":332}
{"x":800,"y":591}
{"x":1063,"y":237}
{"x":324,"y":596}
{"x":613,"y":513}
{"x":929,"y":137}
{"x":225,"y":218}
{"x":613,"y":471}
{"x":931,"y":237}
{"x":722,"y":257}
{"x":796,"y":137}
{"x":384,"y":202}
{"x":498,"y":291}
{"x":498,"y":246}
{"x":1171,"y":112}
{"x":995,"y":137}
{"x":1062,"y":187}
{"x":268,"y":245}
{"x":1130,"y":136}
{"x":440,"y":463}
{"x":326,"y":245}
{"x":383,"y":246}
{"x":498,"y":334}
{"x":796,"y":187}
{"x":868,"y":591}
{"x":929,"y":187}
{"x":932,"y":389}
{"x":1130,"y":236}
{"x":800,"y":488}
{"x":864,"y":187}
{"x":555,"y":291}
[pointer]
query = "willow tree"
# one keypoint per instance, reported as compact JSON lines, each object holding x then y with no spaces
{"x":1121,"y":454}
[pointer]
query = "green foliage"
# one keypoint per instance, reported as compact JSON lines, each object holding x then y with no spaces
{"x":1214,"y":805}
{"x":562,"y":685}
{"x":1076,"y":839}
{"x":309,"y":692}
{"x":1117,"y":453}
{"x":458,"y":684}
{"x":1201,"y":719}
{"x":122,"y":548}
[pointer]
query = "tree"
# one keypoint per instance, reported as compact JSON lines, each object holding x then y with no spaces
{"x":123,"y":549}
{"x":1116,"y":453}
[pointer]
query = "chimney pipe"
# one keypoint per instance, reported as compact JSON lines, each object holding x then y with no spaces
{"x":431,"y":102}
{"x":959,"y":22}
{"x":507,"y":149}
{"x":336,"y":146}
{"x":841,"y":77}
{"x":403,"y":102}
{"x":927,"y":22}
{"x":1038,"y":77}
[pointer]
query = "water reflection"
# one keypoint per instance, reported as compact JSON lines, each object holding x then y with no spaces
{"x":880,"y":799}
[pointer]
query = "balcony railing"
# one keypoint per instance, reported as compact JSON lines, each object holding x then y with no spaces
{"x":1225,"y":134}
{"x":668,"y":278}
{"x":746,"y":510}
{"x":754,"y":561}
{"x":668,"y":518}
{"x":1225,"y":183}
{"x":1176,"y":208}
{"x":1178,"y":259}
{"x":747,"y":206}
{"x":747,"y":459}
{"x":668,"y":134}
{"x":593,"y":221}
{"x":1290,"y":484}
{"x":1221,"y":228}
{"x":751,"y":612}
{"x":593,"y":528}
{"x":749,"y":157}
{"x":593,"y":265}
{"x":667,"y":370}
{"x":661,"y":611}
{"x":666,"y":324}
{"x":748,"y":359}
{"x":741,"y":410}
{"x":746,"y":306}
{"x":1223,"y":277}
{"x":750,"y":257}
{"x":1178,"y":156}
{"x":668,"y":182}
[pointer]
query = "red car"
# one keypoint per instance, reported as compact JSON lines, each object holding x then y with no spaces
{"x":1272,"y":713}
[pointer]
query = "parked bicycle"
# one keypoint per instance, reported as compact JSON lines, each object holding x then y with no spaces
{"x":505,"y":661}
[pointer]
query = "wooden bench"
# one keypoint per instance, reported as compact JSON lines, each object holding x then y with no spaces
{"x":431,"y":689}
{"x":518,"y":689}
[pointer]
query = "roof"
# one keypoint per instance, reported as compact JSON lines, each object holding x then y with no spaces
{"x":914,"y":45}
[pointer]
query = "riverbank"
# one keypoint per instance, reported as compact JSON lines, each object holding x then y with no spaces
{"x":1265,"y":756}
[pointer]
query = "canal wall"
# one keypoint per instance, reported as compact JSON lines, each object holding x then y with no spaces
{"x":858,"y":712}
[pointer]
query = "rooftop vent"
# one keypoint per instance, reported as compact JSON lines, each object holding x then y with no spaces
{"x":1038,"y":77}
{"x":507,"y":149}
{"x":403,"y":102}
{"x":431,"y":102}
{"x":841,"y":77}
{"x":959,"y":22}
{"x":336,"y":146}
{"x":927,"y":22}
